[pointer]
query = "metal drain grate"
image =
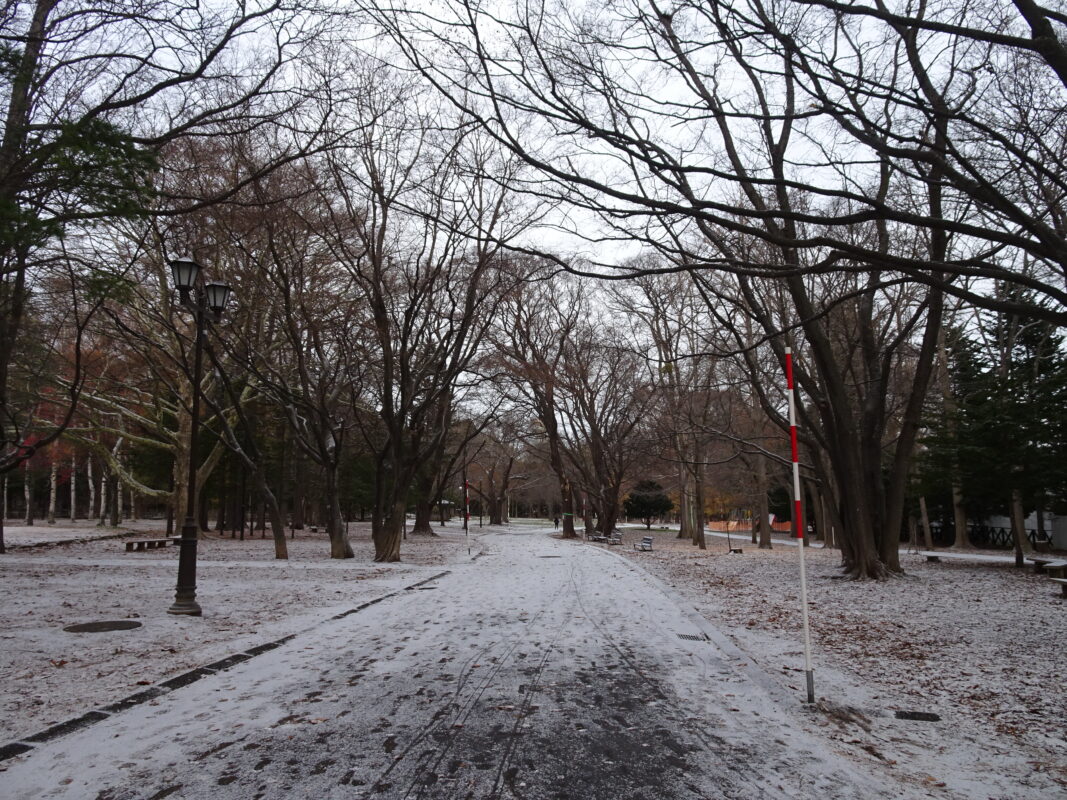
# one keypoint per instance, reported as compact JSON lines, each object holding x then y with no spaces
{"x":103,"y":627}
{"x":919,"y":716}
{"x":692,"y":638}
{"x":550,"y":556}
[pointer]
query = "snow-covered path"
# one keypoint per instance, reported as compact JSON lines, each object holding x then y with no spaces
{"x":543,"y":669}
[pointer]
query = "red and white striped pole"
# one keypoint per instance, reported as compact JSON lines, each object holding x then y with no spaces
{"x":798,"y":522}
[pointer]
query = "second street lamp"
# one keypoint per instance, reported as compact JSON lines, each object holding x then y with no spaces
{"x":198,"y":299}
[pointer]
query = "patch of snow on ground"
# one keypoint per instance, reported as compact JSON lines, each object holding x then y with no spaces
{"x":48,"y":675}
{"x":978,"y":643}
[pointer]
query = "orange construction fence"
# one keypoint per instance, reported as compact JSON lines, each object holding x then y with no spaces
{"x":745,"y":525}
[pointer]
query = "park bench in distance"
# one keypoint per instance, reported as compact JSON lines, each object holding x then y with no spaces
{"x":150,"y":544}
{"x":644,"y":544}
{"x":937,"y":555}
{"x":1053,"y":565}
{"x":614,"y":538}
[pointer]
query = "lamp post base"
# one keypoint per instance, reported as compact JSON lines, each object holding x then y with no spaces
{"x":189,"y":608}
{"x":185,"y":592}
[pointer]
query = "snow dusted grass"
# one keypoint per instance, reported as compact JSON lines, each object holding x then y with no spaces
{"x":980,"y":644}
{"x":48,"y":675}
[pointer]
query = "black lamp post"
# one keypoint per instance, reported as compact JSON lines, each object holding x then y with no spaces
{"x":199,"y":299}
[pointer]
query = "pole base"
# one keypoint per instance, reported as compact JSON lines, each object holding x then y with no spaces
{"x":188,"y":608}
{"x":811,"y":685}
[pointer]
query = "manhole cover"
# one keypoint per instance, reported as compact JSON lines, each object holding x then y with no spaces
{"x":919,"y":716}
{"x":103,"y":627}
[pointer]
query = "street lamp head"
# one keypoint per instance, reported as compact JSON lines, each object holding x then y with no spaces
{"x":217,"y":296}
{"x":184,"y":271}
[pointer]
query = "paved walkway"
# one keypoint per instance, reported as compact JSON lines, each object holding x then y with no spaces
{"x":544,"y":669}
{"x":42,"y":533}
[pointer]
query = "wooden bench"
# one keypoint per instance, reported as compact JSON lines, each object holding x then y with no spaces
{"x":937,"y":555}
{"x":615,"y":538}
{"x":1063,"y":584}
{"x":1050,"y":564}
{"x":150,"y":544}
{"x":644,"y":544}
{"x":598,"y":538}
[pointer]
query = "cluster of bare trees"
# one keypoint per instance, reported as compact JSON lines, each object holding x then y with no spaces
{"x":826,"y":172}
{"x":566,"y":244}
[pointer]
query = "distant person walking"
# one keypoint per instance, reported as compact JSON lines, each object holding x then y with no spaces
{"x":555,"y":521}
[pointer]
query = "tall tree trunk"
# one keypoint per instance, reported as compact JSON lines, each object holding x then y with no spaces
{"x":103,"y":495}
{"x":135,"y":513}
{"x":959,"y":516}
{"x":959,"y":513}
{"x":220,"y":519}
{"x":698,"y":508}
{"x":282,"y":475}
{"x":387,"y":539}
{"x":27,"y":492}
{"x":73,"y":489}
{"x":765,"y":540}
{"x":299,"y":492}
{"x":53,"y":478}
{"x":608,"y":511}
{"x":335,"y":527}
{"x":423,"y":506}
{"x":242,"y":501}
{"x":92,"y":489}
{"x":272,"y":510}
{"x":1018,"y":527}
{"x":817,"y":511}
{"x":831,"y":533}
{"x":423,"y":518}
{"x":566,"y":491}
{"x":114,"y":489}
{"x":233,"y":514}
{"x":201,"y":509}
{"x":685,"y":525}
{"x":927,"y":533}
{"x":170,"y":504}
{"x":495,"y":506}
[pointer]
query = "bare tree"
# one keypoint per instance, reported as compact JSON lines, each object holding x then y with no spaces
{"x":965,"y":101}
{"x":536,"y":323}
{"x":417,"y":216}
{"x":92,"y":91}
